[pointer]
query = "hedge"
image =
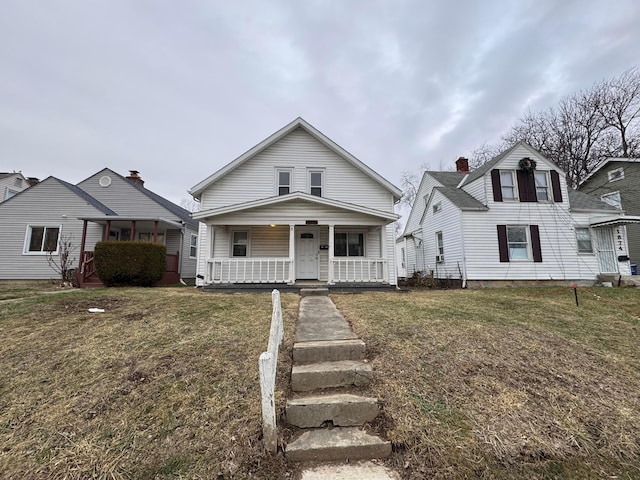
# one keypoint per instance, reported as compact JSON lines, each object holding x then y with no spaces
{"x":130,"y":263}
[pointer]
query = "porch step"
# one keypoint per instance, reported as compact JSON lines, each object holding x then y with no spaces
{"x":314,"y":291}
{"x":347,"y":443}
{"x":330,"y":374}
{"x":341,"y":410}
{"x":328,"y":351}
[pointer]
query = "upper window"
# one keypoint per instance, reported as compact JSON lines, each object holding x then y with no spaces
{"x":518,"y":243}
{"x":10,"y":193}
{"x":542,"y":186}
{"x":507,"y":186}
{"x":437,"y":207}
{"x":193,"y":246}
{"x":612,"y":199}
{"x":616,"y":174}
{"x":316,"y":182}
{"x":42,"y":239}
{"x":349,"y":244}
{"x":583,"y":238}
{"x":439,"y":247}
{"x":240,"y":247}
{"x":283,"y":178}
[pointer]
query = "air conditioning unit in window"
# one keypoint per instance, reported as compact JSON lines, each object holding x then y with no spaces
{"x":439,"y":258}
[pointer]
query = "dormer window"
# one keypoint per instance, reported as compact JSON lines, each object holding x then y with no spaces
{"x":283,"y":179}
{"x":316,"y":182}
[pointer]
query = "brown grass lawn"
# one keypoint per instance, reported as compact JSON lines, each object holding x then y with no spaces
{"x":508,"y":383}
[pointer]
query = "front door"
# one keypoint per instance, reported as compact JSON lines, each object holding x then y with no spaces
{"x":307,"y":254}
{"x":607,"y":261}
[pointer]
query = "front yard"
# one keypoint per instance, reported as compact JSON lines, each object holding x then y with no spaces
{"x":507,"y":383}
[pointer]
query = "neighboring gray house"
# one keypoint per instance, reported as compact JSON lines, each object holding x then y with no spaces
{"x":617,"y":182}
{"x":513,"y":219}
{"x":11,"y":184}
{"x":296,"y":207}
{"x":105,"y":206}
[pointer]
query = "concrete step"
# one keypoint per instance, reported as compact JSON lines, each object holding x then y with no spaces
{"x":330,"y":374}
{"x":328,"y":351}
{"x":314,"y":291}
{"x":323,"y":445}
{"x":342,"y":410}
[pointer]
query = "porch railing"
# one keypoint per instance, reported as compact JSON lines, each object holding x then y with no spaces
{"x":248,"y":270}
{"x":87,"y":266}
{"x":359,"y":269}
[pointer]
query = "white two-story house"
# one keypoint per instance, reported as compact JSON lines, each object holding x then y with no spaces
{"x":295,"y":207}
{"x":512,"y":219}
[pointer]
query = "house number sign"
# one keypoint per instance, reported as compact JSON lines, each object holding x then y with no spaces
{"x":619,"y":239}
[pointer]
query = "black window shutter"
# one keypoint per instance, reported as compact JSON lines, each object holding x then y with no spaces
{"x":497,"y":188}
{"x":555,"y":184}
{"x":535,"y":243}
{"x":526,"y":186}
{"x":503,"y":247}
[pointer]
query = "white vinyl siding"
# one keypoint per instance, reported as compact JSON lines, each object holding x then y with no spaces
{"x":301,"y":152}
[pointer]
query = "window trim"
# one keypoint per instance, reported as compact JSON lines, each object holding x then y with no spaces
{"x":310,"y":187}
{"x":279,"y":170}
{"x":27,"y":240}
{"x":514,"y":186}
{"x":528,"y":243}
{"x":232,"y":243}
{"x":191,"y":246}
{"x":347,"y":233}
{"x":584,"y":252}
{"x":611,"y":174}
{"x":615,"y":194}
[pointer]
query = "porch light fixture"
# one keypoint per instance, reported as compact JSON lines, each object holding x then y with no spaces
{"x":273,"y":225}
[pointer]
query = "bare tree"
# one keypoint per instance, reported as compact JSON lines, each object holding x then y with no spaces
{"x":483,"y":154}
{"x":63,"y":264}
{"x":410,"y":182}
{"x":190,"y":204}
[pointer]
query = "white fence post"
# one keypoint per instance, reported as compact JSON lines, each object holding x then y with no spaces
{"x":268,"y":363}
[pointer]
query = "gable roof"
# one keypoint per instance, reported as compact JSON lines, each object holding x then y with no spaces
{"x":197,"y":189}
{"x":461,"y":199}
{"x":300,"y":196}
{"x":604,"y":163}
{"x":582,"y":201}
{"x":86,"y":197}
{"x":180,"y":212}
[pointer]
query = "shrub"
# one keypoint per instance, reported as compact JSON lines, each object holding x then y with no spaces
{"x":130,"y":263}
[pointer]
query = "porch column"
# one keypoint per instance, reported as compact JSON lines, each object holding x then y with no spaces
{"x":209,"y":266}
{"x":292,"y":253}
{"x":331,"y":248}
{"x":383,"y":253}
{"x":82,"y":245}
{"x":107,"y":231}
{"x":132,"y":233}
{"x":155,"y":231}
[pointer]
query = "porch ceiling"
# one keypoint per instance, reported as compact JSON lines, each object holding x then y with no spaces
{"x":141,"y":222}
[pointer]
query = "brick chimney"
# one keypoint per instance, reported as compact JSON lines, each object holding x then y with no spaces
{"x":32,"y":181}
{"x":134,"y":177}
{"x":462,"y":165}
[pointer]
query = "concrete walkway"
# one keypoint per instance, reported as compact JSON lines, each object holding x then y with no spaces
{"x":323,"y":335}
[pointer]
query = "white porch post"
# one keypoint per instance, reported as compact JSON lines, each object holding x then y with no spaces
{"x":211,"y":241}
{"x":331,"y":246}
{"x":292,"y":253}
{"x":383,"y":253}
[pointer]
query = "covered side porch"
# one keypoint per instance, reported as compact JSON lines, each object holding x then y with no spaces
{"x":155,"y":230}
{"x":296,"y":239}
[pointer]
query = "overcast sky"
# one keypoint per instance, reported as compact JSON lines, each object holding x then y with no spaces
{"x":177,"y":89}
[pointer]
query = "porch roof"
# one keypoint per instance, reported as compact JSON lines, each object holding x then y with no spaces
{"x":125,"y":222}
{"x":610,"y":220}
{"x":295,"y":196}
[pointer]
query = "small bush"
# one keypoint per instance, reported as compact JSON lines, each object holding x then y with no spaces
{"x":130,"y":263}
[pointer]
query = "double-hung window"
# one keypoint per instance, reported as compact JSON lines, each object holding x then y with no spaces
{"x":42,"y":239}
{"x":283,"y":178}
{"x":316,"y":182}
{"x":193,"y":246}
{"x":518,"y":243}
{"x":439,"y":248}
{"x":240,"y":247}
{"x":583,"y":238}
{"x":542,"y":186}
{"x":348,"y":244}
{"x":507,"y":185}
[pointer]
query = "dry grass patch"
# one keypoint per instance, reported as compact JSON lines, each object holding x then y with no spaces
{"x":509,"y":383}
{"x":164,"y":384}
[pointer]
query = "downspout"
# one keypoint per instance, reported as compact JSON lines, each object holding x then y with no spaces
{"x":464,"y":256}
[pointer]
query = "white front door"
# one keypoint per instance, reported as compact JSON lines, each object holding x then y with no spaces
{"x":606,"y":249}
{"x":307,"y":254}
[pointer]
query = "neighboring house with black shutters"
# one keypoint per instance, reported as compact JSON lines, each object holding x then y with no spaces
{"x":512,"y":219}
{"x":616,"y":181}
